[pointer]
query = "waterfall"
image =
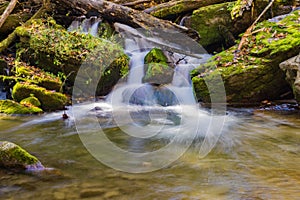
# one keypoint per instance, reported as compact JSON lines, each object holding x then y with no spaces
{"x":179,"y":91}
{"x":146,"y":112}
{"x":85,"y":25}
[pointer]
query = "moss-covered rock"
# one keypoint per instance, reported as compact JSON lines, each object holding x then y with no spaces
{"x":52,"y":48}
{"x":14,"y":157}
{"x":216,"y":26}
{"x":38,"y":77}
{"x":156,"y":68}
{"x":50,"y":100}
{"x":253,"y":74}
{"x":31,"y":101}
{"x":12,"y":107}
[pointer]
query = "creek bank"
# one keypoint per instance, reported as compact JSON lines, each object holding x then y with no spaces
{"x":55,"y":56}
{"x":252,"y":75}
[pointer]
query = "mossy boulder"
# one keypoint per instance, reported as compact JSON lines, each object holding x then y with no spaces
{"x":253,"y":74}
{"x":12,"y":107}
{"x":14,"y":157}
{"x":157,"y":69}
{"x":51,"y":47}
{"x":50,"y":100}
{"x":31,"y":101}
{"x":39,"y":77}
{"x":216,"y":26}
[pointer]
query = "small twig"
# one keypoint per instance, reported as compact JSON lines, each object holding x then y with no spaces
{"x":7,"y":11}
{"x":134,"y":3}
{"x":249,"y":30}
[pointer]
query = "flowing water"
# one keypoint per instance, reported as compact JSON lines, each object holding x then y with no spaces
{"x":257,"y":158}
{"x":255,"y":153}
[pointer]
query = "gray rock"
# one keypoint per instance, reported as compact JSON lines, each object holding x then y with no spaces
{"x":291,"y":67}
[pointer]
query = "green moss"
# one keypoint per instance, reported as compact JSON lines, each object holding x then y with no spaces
{"x":39,"y":77}
{"x":50,"y":100}
{"x":31,"y":101}
{"x":52,"y":48}
{"x":206,"y":21}
{"x":169,"y":11}
{"x":11,"y":107}
{"x":253,"y":74}
{"x":156,"y":55}
{"x":157,"y":69}
{"x":13,"y":156}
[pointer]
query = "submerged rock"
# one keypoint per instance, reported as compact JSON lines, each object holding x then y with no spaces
{"x":291,"y":67}
{"x":12,"y":107}
{"x":252,"y":75}
{"x":14,"y":157}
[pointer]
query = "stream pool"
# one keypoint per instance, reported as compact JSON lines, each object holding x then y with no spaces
{"x":258,"y":157}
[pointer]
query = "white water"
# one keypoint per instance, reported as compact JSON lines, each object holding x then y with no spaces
{"x":148,"y":111}
{"x":86,"y":26}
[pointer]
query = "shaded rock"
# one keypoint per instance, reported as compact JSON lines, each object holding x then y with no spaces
{"x":12,"y":107}
{"x":13,"y":156}
{"x":157,"y":70}
{"x":216,"y":26}
{"x":50,"y":100}
{"x":291,"y":67}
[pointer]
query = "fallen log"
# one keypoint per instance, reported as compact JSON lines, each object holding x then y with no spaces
{"x":176,"y":7}
{"x":122,"y":14}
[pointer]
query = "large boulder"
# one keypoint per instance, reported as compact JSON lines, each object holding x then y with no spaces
{"x":52,"y":48}
{"x":12,"y":107}
{"x":157,"y":70}
{"x":253,"y":74}
{"x":291,"y":67}
{"x":218,"y":25}
{"x":50,"y":100}
{"x":13,"y":157}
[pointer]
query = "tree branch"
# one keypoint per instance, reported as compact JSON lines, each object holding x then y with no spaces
{"x":7,"y":11}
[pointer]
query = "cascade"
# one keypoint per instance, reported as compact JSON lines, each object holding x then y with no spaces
{"x":85,"y":25}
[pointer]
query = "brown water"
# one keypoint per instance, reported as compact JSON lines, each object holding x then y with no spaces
{"x":257,"y":158}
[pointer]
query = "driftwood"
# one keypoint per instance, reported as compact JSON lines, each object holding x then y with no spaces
{"x":7,"y":11}
{"x":122,"y":14}
{"x":176,"y":7}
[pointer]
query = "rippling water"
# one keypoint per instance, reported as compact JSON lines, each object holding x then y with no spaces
{"x":257,"y":157}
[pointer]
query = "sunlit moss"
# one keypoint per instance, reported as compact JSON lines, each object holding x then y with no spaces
{"x":12,"y":107}
{"x":50,"y":100}
{"x":12,"y":156}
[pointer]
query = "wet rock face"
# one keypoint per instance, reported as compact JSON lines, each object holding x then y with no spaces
{"x":14,"y":157}
{"x":291,"y":67}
